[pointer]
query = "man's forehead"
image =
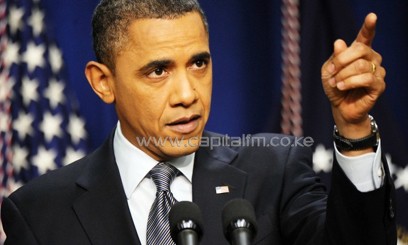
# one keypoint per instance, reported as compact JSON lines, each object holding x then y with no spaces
{"x":190,"y":16}
{"x":149,"y":31}
{"x":165,"y":39}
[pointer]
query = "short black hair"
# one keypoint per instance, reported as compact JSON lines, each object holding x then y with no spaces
{"x":111,"y":19}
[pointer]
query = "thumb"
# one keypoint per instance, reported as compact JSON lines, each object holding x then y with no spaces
{"x":338,"y":47}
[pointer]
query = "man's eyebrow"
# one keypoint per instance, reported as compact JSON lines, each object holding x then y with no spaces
{"x":154,"y":65}
{"x":201,"y":56}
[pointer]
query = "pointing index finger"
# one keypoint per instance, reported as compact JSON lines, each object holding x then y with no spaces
{"x":367,"y":31}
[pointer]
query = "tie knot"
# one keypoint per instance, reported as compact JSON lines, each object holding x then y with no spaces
{"x":163,"y":174}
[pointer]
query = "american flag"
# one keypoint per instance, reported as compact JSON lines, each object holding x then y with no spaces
{"x":40,"y":125}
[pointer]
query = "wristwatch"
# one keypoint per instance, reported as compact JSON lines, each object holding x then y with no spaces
{"x":370,"y":141}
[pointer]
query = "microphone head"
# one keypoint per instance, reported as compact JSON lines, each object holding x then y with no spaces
{"x":238,"y":213}
{"x":185,"y":215}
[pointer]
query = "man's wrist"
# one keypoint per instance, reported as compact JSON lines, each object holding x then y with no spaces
{"x":366,"y":143}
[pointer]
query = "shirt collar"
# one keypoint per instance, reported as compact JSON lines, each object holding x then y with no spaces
{"x":134,"y":164}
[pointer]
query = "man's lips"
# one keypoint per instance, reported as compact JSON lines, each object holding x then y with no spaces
{"x":185,"y":125}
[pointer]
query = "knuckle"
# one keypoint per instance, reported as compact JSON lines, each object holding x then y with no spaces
{"x":360,"y":65}
{"x":373,"y":78}
{"x":380,"y":59}
{"x":360,"y":47}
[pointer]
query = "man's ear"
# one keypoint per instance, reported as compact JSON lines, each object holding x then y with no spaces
{"x":101,"y":80}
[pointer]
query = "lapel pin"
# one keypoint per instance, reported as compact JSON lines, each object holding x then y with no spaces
{"x":221,"y":189}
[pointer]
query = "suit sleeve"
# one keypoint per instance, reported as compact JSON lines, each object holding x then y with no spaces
{"x":343,"y":216}
{"x":16,"y":228}
{"x":354,"y":217}
{"x":303,"y":201}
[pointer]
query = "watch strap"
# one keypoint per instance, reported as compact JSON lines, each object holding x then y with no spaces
{"x":370,"y":141}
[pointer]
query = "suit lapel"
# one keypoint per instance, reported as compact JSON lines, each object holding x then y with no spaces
{"x":212,"y":169}
{"x":102,"y":209}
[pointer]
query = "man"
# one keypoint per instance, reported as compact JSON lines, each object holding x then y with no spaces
{"x":154,"y":64}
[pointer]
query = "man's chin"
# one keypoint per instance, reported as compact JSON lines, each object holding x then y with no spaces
{"x":171,"y":151}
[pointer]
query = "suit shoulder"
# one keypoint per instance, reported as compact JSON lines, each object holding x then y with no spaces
{"x":264,"y":149}
{"x":64,"y":179}
{"x":258,"y":142}
{"x":51,"y":182}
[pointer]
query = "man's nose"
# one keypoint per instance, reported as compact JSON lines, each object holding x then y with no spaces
{"x":184,"y":91}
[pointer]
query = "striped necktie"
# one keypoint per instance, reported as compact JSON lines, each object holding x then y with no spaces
{"x":158,"y":227}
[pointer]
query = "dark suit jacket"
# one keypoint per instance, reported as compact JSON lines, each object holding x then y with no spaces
{"x":84,"y":202}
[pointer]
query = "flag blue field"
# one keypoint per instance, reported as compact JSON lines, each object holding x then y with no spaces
{"x":41,"y":128}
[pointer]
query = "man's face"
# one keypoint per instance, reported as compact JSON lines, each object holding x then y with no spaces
{"x":162,"y":85}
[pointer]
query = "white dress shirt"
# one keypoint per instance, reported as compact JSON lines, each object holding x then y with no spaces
{"x":133,"y":166}
{"x":364,"y":171}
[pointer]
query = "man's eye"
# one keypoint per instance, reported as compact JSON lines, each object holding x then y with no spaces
{"x":157,"y":73}
{"x":199,"y":64}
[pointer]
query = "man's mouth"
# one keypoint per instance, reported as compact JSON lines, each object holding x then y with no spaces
{"x":185,"y":125}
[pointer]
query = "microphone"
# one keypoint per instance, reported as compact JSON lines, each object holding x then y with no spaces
{"x":239,"y":222}
{"x":185,"y":223}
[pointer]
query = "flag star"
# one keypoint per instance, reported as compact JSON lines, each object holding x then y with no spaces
{"x":45,"y":159}
{"x":72,"y":155}
{"x":29,"y":90}
{"x":36,"y":21}
{"x":23,"y":124}
{"x":322,"y":159}
{"x":34,"y":56}
{"x":55,"y":58}
{"x":54,"y":93}
{"x":11,"y":54}
{"x":76,"y":128}
{"x":15,"y":19}
{"x":51,"y":126}
{"x":20,"y":155}
{"x":402,"y":178}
